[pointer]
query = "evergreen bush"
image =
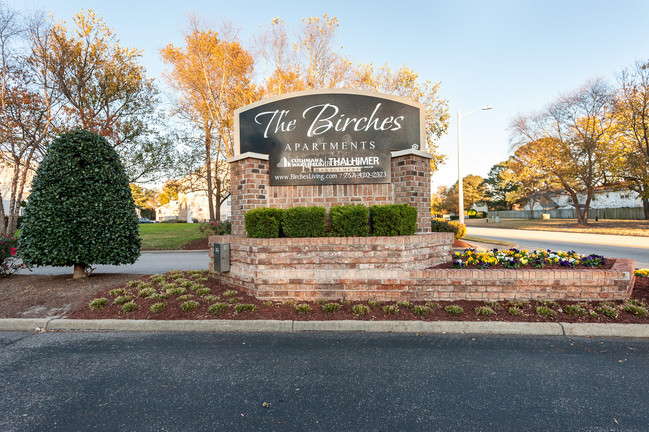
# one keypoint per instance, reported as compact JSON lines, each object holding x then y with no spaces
{"x":263,"y":222}
{"x":349,"y":221}
{"x":393,"y":220}
{"x":304,"y":222}
{"x":442,"y":225}
{"x":80,"y":211}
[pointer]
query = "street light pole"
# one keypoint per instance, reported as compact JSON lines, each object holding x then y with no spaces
{"x":460,"y":186}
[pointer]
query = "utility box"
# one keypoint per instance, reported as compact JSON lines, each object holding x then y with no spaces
{"x":221,"y":257}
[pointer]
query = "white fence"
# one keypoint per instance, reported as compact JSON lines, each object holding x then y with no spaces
{"x":606,"y":213}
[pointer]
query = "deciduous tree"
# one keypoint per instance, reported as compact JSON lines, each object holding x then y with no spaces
{"x":632,"y":114}
{"x":569,"y":142}
{"x":101,"y":87}
{"x":211,"y":77}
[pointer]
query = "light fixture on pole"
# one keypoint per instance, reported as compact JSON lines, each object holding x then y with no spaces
{"x":460,"y":186}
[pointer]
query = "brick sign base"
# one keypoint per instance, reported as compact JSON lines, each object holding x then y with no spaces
{"x":394,"y":268}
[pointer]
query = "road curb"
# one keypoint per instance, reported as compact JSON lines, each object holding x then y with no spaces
{"x":432,"y":327}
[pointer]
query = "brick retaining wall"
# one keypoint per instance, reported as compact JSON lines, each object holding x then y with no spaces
{"x":393,"y":268}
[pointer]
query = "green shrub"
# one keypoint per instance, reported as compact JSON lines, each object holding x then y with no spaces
{"x":391,"y":309}
{"x":117,"y":292}
{"x":330,"y":307}
{"x":189,"y":306}
{"x":202,"y":292}
{"x":484,"y":310}
{"x":129,"y":307}
{"x":176,"y":290}
{"x":360,"y":310}
{"x":454,"y":310}
{"x":158,"y":279}
{"x":635,"y":309}
{"x":80,"y":210}
{"x":245,"y":307}
{"x":518,"y":303}
{"x":184,"y":297}
{"x":548,"y":303}
{"x":263,"y":222}
{"x":545,"y":311}
{"x":607,"y":310}
{"x":442,"y":225}
{"x":230,"y":293}
{"x":288,"y":303}
{"x":146,"y":292}
{"x":404,"y":304}
{"x":210,"y":298}
{"x":515,"y":310}
{"x":577,"y":309}
{"x":393,"y":220}
{"x":158,"y":307}
{"x":122,"y":299}
{"x":134,"y":283}
{"x":492,"y":304}
{"x":349,"y":221}
{"x":304,"y":222}
{"x":303,"y":308}
{"x":421,"y":310}
{"x":267,"y":303}
{"x":374,"y":303}
{"x":218,"y":308}
{"x":98,"y":303}
{"x":459,"y":229}
{"x":159,"y":296}
{"x":215,"y":228}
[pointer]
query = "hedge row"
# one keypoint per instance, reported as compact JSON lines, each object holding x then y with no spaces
{"x":346,"y":221}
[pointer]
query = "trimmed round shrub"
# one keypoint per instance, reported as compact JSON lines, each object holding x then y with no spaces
{"x":304,"y":221}
{"x":263,"y":222}
{"x":349,"y":221}
{"x":80,"y":210}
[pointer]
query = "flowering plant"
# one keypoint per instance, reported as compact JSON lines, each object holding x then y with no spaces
{"x":8,"y":255}
{"x":514,"y":258}
{"x":215,"y":228}
{"x":642,"y":273}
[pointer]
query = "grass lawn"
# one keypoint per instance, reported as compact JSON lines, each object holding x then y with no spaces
{"x":165,"y":236}
{"x":603,"y":226}
{"x":168,"y":236}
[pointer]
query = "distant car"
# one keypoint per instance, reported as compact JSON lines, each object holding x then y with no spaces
{"x":145,"y":220}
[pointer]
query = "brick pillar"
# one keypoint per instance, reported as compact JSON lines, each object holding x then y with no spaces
{"x":249,"y":179}
{"x":411,"y":183}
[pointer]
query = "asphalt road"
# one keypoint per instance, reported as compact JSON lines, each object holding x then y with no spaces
{"x":147,"y":263}
{"x":607,"y":245}
{"x":320,"y":381}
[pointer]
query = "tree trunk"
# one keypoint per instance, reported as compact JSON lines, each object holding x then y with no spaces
{"x":645,"y":207}
{"x":208,"y":171}
{"x":80,"y":271}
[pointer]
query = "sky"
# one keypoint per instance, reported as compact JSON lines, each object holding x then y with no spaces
{"x":517,"y":56}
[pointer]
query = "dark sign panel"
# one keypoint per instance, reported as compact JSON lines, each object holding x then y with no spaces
{"x":330,"y":137}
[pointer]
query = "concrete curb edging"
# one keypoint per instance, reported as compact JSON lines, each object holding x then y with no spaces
{"x":432,"y":327}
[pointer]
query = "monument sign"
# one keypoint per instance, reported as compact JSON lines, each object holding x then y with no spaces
{"x":329,"y":136}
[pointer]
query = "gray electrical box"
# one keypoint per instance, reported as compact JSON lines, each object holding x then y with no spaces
{"x":222,"y":257}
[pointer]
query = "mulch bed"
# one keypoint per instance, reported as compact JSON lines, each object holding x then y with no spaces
{"x":200,"y":244}
{"x":284,"y":311}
